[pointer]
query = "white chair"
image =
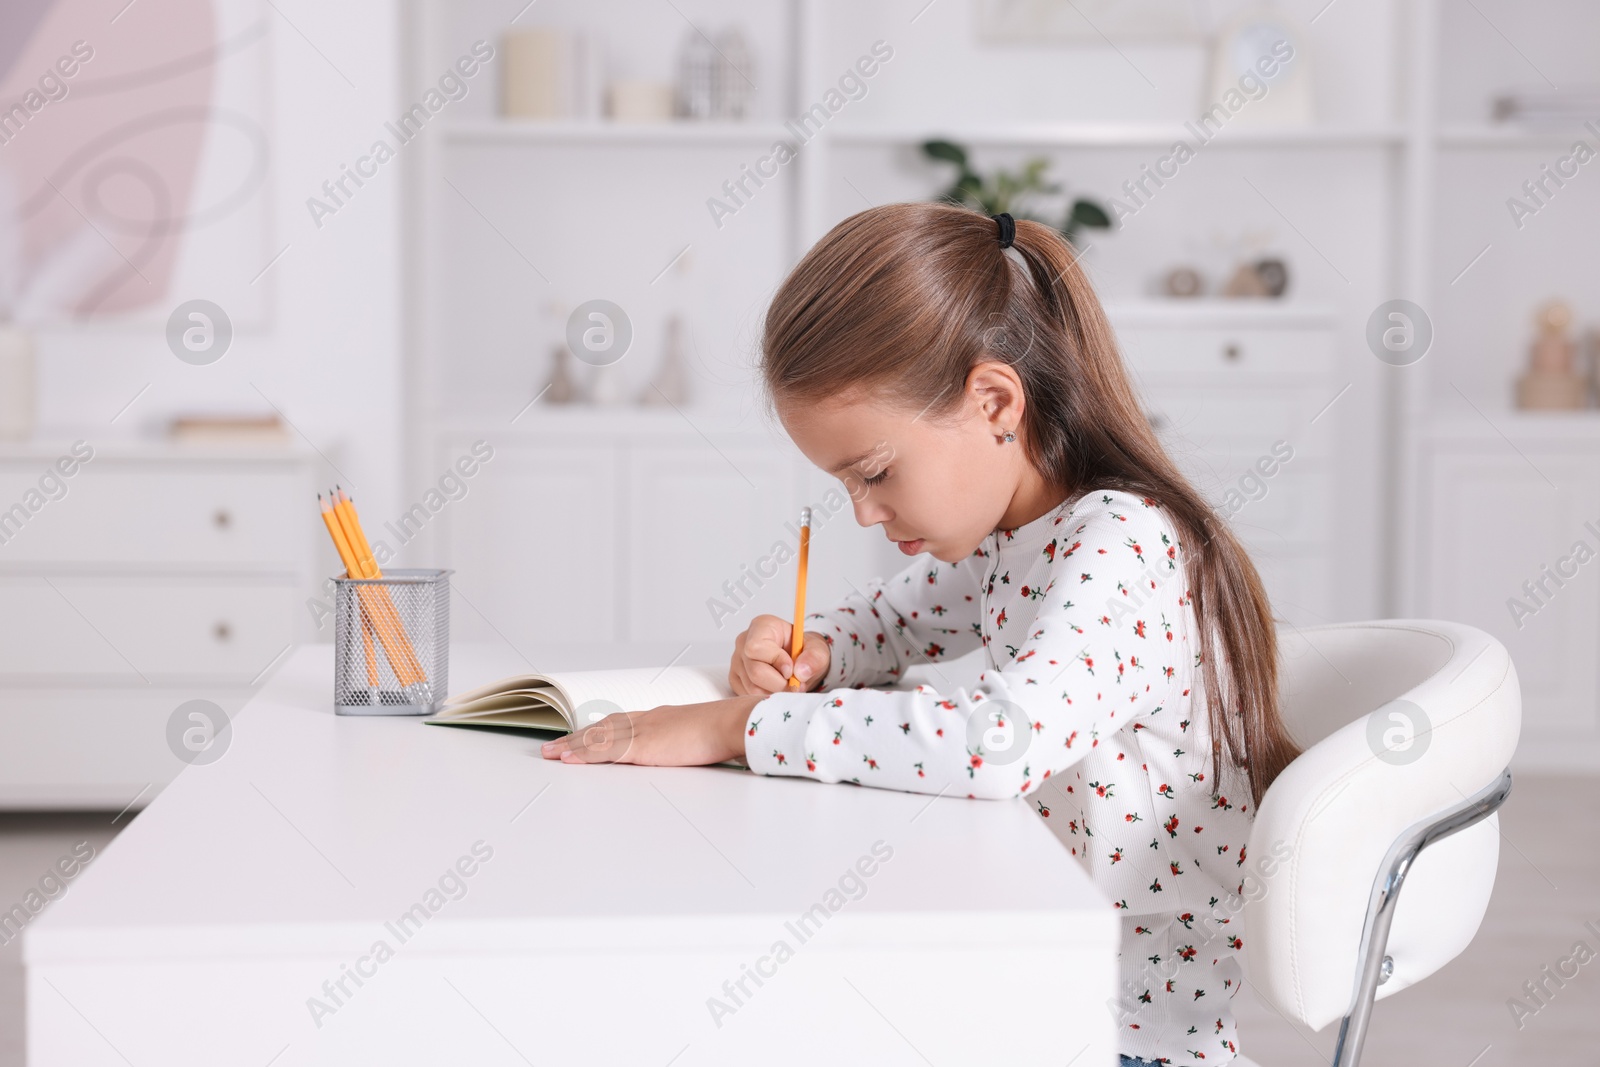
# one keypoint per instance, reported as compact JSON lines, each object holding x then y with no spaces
{"x":1407,"y":727}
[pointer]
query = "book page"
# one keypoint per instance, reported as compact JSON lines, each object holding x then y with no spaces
{"x":515,"y":683}
{"x":511,"y":700}
{"x":641,"y":688}
{"x":631,"y":689}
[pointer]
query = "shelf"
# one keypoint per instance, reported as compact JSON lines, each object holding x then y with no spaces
{"x":1214,"y":311}
{"x":51,"y":442}
{"x":601,"y":422}
{"x":1128,"y":135}
{"x":560,"y":131}
{"x":1495,"y":425}
{"x":1038,"y":135}
{"x":1044,"y":134}
{"x":1510,"y":136}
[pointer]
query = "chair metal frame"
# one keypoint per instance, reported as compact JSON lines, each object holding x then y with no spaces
{"x":1373,"y":967}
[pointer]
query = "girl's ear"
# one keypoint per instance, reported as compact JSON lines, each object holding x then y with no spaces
{"x":996,"y":391}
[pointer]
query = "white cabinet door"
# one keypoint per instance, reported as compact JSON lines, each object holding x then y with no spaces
{"x":534,"y":545}
{"x":1496,"y":532}
{"x":712,"y":536}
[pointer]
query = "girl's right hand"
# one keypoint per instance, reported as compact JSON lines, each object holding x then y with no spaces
{"x":761,"y":662}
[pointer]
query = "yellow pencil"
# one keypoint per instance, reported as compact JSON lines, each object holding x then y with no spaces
{"x":797,"y":641}
{"x":368,"y":604}
{"x":347,"y":556}
{"x":362,"y":555}
{"x":343,"y":503}
{"x":372,"y":656}
{"x":345,"y":509}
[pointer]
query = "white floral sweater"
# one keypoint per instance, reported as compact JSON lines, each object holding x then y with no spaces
{"x":1088,"y":707}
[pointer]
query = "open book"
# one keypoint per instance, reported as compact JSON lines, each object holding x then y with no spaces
{"x":566,"y":700}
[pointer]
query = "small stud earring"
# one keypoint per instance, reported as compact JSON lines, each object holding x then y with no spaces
{"x":1009,"y":437}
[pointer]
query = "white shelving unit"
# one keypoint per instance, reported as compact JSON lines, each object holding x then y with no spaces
{"x":1489,"y":495}
{"x":529,"y":145}
{"x":1361,"y":518}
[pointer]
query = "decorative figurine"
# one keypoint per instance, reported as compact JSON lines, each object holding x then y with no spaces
{"x":1246,"y":282}
{"x":1274,"y":275}
{"x":1184,"y":282}
{"x":561,"y":389}
{"x":1552,"y":381}
{"x":735,"y":80}
{"x":671,"y":383}
{"x":697,"y":76}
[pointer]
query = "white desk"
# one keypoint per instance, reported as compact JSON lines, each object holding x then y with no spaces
{"x":617,"y":901}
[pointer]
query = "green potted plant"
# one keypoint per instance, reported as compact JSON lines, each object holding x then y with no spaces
{"x":1005,"y":191}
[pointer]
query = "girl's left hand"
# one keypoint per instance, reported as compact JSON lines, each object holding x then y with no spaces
{"x":676,"y":735}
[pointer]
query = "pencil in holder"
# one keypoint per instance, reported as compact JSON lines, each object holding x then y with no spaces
{"x":391,"y":643}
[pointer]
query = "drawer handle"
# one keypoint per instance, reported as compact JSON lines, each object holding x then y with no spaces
{"x":1232,"y":352}
{"x":222,"y":631}
{"x":222,"y":519}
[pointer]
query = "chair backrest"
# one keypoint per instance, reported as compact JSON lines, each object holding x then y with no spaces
{"x":1399,"y":720}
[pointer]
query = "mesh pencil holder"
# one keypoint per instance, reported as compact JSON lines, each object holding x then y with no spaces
{"x":391,"y":643}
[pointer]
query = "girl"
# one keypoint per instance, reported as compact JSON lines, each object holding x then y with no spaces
{"x":958,"y":373}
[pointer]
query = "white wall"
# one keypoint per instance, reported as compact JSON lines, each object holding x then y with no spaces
{"x":330,"y":355}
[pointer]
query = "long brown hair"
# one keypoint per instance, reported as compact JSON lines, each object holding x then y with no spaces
{"x":902,"y":300}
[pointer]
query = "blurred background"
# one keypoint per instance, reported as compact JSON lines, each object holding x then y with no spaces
{"x":498,"y":270}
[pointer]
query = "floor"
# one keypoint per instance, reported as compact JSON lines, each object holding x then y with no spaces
{"x":1548,"y":886}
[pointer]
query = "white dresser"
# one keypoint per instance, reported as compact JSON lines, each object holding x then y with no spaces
{"x":148,"y":576}
{"x":1236,"y":390}
{"x":627,"y":524}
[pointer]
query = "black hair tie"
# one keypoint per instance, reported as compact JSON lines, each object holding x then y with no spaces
{"x":1008,"y":228}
